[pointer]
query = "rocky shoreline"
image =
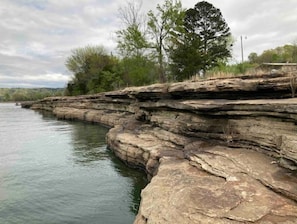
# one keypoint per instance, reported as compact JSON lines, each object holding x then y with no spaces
{"x":216,"y":151}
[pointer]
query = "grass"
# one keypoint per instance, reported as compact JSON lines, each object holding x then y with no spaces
{"x":247,"y":69}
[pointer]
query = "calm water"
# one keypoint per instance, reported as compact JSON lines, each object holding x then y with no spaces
{"x":55,"y":171}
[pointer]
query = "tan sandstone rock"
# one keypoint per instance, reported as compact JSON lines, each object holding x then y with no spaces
{"x":216,"y":151}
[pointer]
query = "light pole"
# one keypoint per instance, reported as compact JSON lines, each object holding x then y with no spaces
{"x":241,"y":44}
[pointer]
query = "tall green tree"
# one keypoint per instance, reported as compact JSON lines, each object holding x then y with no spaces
{"x":93,"y":71}
{"x":163,"y":27}
{"x":206,"y":29}
{"x":186,"y":62}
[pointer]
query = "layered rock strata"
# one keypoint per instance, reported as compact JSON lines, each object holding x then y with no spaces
{"x":216,"y":151}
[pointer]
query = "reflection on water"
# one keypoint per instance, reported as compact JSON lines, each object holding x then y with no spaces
{"x":88,"y":149}
{"x":54,"y":171}
{"x":139,"y":181}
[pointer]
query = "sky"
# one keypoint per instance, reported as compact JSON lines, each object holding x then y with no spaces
{"x":37,"y":36}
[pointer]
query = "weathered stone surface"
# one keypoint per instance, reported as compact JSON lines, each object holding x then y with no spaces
{"x":244,"y":87}
{"x":231,"y":162}
{"x":197,"y":182}
{"x":216,"y":151}
{"x":185,"y":193}
{"x":91,"y":115}
{"x":266,"y":125}
{"x":143,"y":145}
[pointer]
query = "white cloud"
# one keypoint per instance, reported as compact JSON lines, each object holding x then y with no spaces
{"x":48,"y":77}
{"x":36,"y":80}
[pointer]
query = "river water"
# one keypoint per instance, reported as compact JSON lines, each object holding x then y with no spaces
{"x":54,"y":171}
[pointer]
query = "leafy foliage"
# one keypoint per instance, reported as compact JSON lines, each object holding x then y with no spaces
{"x":186,"y":61}
{"x":283,"y":54}
{"x":136,"y":65}
{"x":163,"y":29}
{"x":137,"y":71}
{"x":131,"y":42}
{"x":191,"y":41}
{"x":94,"y":71}
{"x":205,"y":29}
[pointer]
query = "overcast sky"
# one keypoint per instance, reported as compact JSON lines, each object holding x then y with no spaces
{"x":36,"y":36}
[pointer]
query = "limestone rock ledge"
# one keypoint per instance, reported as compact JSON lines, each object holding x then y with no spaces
{"x":194,"y":181}
{"x":216,"y":151}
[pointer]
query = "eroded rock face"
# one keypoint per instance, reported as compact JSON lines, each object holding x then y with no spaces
{"x":263,"y":125}
{"x":183,"y":192}
{"x":197,"y":182}
{"x":216,"y":151}
{"x":143,"y":145}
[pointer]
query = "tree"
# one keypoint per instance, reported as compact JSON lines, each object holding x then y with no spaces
{"x":93,"y":70}
{"x":163,"y":27}
{"x":185,"y":60}
{"x":131,"y":39}
{"x":137,"y":71}
{"x":136,"y":66}
{"x":206,"y":28}
{"x":131,"y":42}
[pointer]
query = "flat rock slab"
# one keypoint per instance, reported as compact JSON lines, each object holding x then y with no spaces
{"x":232,"y":163}
{"x":217,"y":185}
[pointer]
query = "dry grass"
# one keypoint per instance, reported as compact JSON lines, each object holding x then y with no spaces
{"x":223,"y":75}
{"x":250,"y":72}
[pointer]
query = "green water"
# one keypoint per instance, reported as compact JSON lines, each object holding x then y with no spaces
{"x":54,"y":171}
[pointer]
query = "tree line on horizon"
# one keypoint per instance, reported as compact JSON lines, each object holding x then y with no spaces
{"x":282,"y":54}
{"x":28,"y":94}
{"x":168,"y":44}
